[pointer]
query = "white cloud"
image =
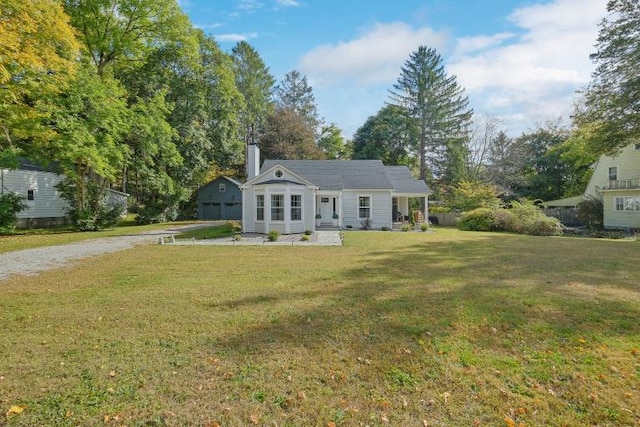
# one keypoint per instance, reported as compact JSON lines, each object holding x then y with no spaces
{"x":536,"y":73}
{"x":524,"y":77}
{"x":235,"y":37}
{"x":373,"y":58}
{"x":474,"y":44}
{"x":249,"y":6}
{"x":288,"y":3}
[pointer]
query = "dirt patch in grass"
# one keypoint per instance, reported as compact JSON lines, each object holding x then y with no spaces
{"x":444,"y":328}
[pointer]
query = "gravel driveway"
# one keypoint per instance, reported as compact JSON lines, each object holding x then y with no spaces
{"x":33,"y":261}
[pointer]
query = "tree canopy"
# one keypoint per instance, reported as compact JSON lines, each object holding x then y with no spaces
{"x":38,"y":49}
{"x":609,"y":116}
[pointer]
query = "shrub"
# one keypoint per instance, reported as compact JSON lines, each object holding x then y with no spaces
{"x":529,"y":219}
{"x":308,"y":232}
{"x":470,"y":195}
{"x":591,"y":212}
{"x":524,"y":217}
{"x":235,"y":226}
{"x":480,"y":219}
{"x":366,"y":223}
{"x":95,"y":213}
{"x":406,"y":227}
{"x":305,"y":238}
{"x":236,"y":237}
{"x":424,"y":227}
{"x":274,"y":235}
{"x":10,"y":205}
{"x":384,"y":228}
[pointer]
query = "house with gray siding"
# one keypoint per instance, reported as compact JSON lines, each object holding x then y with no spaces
{"x":292,"y":196}
{"x":45,"y":206}
{"x":221,"y":199}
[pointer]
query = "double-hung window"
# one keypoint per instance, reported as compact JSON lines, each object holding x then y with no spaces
{"x":277,"y":207}
{"x":364,"y":207}
{"x":260,"y":207}
{"x":613,"y":173}
{"x":296,"y":207}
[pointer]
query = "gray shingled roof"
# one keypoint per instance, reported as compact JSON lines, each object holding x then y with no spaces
{"x":404,"y":182}
{"x":352,"y":175}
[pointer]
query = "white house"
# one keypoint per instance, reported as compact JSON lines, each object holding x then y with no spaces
{"x":617,"y":180}
{"x":45,"y":205}
{"x":292,"y":196}
{"x":37,"y":185}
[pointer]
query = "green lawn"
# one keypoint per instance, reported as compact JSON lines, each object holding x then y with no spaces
{"x":28,"y":239}
{"x":400,"y":329}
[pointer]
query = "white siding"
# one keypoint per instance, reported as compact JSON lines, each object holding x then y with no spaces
{"x":380,"y":208}
{"x":47,"y":202}
{"x":251,"y":225}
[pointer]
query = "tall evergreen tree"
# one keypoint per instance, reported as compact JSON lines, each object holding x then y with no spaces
{"x":441,"y":114}
{"x":255,"y":83}
{"x":294,"y":93}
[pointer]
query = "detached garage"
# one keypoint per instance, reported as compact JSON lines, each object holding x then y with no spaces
{"x":221,"y":199}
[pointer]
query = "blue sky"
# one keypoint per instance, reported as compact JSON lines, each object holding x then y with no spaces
{"x":520,"y":61}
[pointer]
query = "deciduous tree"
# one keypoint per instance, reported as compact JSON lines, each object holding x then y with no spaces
{"x":610,"y":115}
{"x":38,"y":52}
{"x":388,"y":136}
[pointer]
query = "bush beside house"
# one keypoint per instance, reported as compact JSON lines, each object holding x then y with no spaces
{"x":523,"y":217}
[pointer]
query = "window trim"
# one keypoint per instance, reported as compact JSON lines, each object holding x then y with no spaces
{"x":277,"y":211}
{"x":369,"y":207}
{"x":626,"y":204}
{"x":295,"y":208}
{"x":259,"y":207}
{"x":615,"y":173}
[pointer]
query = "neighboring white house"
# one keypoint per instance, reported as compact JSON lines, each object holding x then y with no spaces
{"x":45,"y":207}
{"x":292,"y":196}
{"x":616,"y":179}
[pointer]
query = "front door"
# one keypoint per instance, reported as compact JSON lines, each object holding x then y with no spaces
{"x":326,"y":209}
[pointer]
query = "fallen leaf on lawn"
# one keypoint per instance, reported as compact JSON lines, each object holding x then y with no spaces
{"x":509,"y":422}
{"x":254,"y":419}
{"x":15,"y":410}
{"x":446,"y":396}
{"x":425,"y":423}
{"x":384,"y":418}
{"x":331,"y":424}
{"x":384,"y":404}
{"x":301,"y":395}
{"x":476,"y":422}
{"x":112,"y":374}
